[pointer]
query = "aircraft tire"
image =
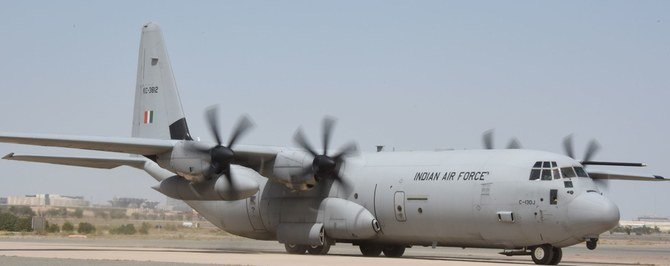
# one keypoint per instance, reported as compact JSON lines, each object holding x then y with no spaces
{"x":542,"y":254}
{"x":394,"y":251}
{"x":319,"y":250}
{"x":592,"y":244}
{"x":370,"y":250}
{"x":558,"y":255}
{"x":295,"y":249}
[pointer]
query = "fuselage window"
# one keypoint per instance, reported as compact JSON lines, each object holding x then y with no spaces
{"x":546,"y":174}
{"x":580,"y":172}
{"x":568,"y":172}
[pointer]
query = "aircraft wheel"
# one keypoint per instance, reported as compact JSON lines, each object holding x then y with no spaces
{"x":370,"y":250}
{"x":394,"y":251}
{"x":295,"y":249}
{"x":558,"y":255}
{"x":319,"y":250}
{"x":592,"y":243}
{"x":542,"y":254}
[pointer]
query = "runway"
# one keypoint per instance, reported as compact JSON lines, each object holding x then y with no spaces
{"x":240,"y":251}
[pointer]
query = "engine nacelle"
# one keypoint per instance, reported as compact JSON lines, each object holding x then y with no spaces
{"x":185,"y":160}
{"x":288,"y":166}
{"x":243,"y":186}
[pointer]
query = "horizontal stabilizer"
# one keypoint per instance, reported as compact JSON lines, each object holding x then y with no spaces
{"x":103,"y":163}
{"x":125,"y":145}
{"x":620,"y":176}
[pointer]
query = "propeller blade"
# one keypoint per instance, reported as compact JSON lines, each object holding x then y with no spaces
{"x":349,"y":149}
{"x":487,"y":138}
{"x":591,"y":150}
{"x":603,"y":184}
{"x":567,"y":146}
{"x":196,"y":147}
{"x":301,"y":140}
{"x":242,"y":127}
{"x":328,"y":124}
{"x":514,"y":144}
{"x":213,"y":122}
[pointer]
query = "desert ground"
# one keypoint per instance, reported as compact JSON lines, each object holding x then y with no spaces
{"x":617,"y":249}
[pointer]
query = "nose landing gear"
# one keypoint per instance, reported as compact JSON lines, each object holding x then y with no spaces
{"x":592,"y":243}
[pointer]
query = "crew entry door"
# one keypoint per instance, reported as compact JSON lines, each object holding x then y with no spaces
{"x":399,"y":200}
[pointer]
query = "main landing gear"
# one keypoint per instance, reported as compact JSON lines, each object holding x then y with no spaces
{"x":546,"y":255}
{"x":372,"y":250}
{"x":543,"y":254}
{"x":312,"y":250}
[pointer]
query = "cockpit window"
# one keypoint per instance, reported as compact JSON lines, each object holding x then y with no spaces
{"x":545,"y":171}
{"x":546,"y":174}
{"x":568,"y":172}
{"x":580,"y":172}
{"x":535,"y":174}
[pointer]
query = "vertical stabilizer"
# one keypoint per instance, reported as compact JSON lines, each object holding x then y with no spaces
{"x":157,"y":112}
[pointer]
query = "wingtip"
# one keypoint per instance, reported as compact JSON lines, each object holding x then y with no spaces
{"x":8,"y":156}
{"x":659,"y":177}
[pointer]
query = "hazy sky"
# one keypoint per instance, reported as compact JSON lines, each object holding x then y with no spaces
{"x":405,"y":74}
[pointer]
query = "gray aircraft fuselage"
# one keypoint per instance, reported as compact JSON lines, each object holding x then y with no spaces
{"x":462,"y":198}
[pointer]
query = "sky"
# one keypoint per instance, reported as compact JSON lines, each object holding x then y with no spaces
{"x":408,"y":75}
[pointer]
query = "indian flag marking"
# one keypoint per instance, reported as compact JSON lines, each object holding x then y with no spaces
{"x":148,"y":117}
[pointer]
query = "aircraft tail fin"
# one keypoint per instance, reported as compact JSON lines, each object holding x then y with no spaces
{"x":157,"y":113}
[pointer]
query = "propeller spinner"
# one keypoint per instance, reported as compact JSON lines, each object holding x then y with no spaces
{"x":222,"y":156}
{"x":324,"y":166}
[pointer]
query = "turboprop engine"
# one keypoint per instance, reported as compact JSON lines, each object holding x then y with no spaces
{"x":241,"y":184}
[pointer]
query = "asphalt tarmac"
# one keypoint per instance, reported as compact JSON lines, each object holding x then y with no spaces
{"x":33,"y":250}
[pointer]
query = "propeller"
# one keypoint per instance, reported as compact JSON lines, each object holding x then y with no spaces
{"x":222,"y":156}
{"x":487,"y":139}
{"x":591,"y":150}
{"x":325,"y":166}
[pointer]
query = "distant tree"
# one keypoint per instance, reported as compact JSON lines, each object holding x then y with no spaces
{"x":53,"y":228}
{"x":127,"y":229}
{"x":85,"y":228}
{"x":11,"y":222}
{"x":22,"y":211}
{"x":144,"y":229}
{"x":67,"y":227}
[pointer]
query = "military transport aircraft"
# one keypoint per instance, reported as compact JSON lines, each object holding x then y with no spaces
{"x":524,"y":202}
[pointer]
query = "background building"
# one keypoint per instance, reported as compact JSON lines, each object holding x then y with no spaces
{"x":3,"y":201}
{"x":48,"y":200}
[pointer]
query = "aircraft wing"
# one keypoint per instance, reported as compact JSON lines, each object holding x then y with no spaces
{"x":598,"y":174}
{"x":252,"y":156}
{"x":103,"y":163}
{"x":125,"y":145}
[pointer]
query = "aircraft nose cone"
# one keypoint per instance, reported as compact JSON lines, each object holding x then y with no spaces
{"x":592,"y":214}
